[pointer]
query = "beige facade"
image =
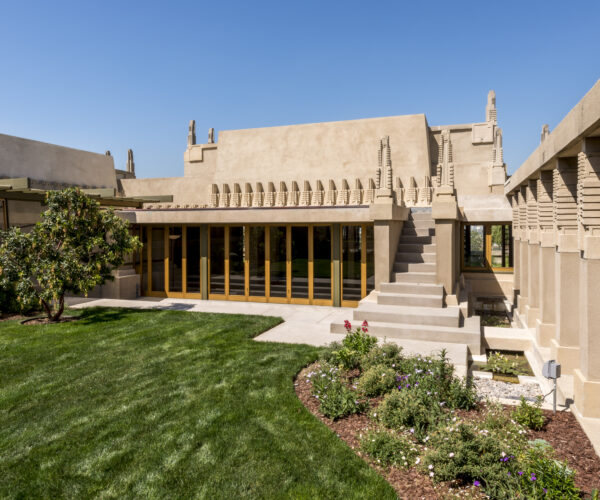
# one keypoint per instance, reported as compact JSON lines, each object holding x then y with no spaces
{"x":555,"y":196}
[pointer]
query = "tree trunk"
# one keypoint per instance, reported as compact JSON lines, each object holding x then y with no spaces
{"x":61,"y":308}
{"x":48,"y":310}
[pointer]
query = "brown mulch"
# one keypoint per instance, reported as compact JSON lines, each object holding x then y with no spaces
{"x":562,"y":431}
{"x":45,"y":321}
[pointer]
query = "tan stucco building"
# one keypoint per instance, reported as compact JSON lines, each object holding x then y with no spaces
{"x":414,"y":225}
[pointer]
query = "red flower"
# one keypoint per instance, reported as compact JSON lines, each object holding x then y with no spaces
{"x":347,"y":325}
{"x":365,"y":326}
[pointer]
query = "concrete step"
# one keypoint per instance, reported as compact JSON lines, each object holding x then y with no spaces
{"x":419,"y":224}
{"x":409,"y":315}
{"x":410,"y":299}
{"x":412,"y":231}
{"x":416,"y":247}
{"x":442,"y":334}
{"x":401,"y":267}
{"x":415,"y":257}
{"x":415,"y":277}
{"x":414,"y":288}
{"x":416,"y":240}
{"x":424,"y":215}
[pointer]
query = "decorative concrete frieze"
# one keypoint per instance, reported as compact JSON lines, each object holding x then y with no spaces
{"x":224,"y":197}
{"x":514,"y":203}
{"x":410,"y":193}
{"x":588,"y":197}
{"x":356,"y":194}
{"x":305,"y":195}
{"x":258,"y":197}
{"x":426,"y":192}
{"x":445,"y":166}
{"x":522,"y":197}
{"x":214,"y":196}
{"x":343,"y":195}
{"x":399,"y":192}
{"x":491,"y":113}
{"x":235,"y":198}
{"x":318,"y":196}
{"x":369,"y":193}
{"x":330,"y":194}
{"x":294,"y":195}
{"x":532,"y":212}
{"x":545,"y":209}
{"x":281,"y":195}
{"x":270,"y":195}
{"x":130,"y":163}
{"x":191,"y":140}
{"x":565,"y":204}
{"x":247,"y":198}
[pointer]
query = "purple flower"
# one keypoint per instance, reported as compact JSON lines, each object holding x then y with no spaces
{"x":532,"y":478}
{"x":545,"y":490}
{"x":476,"y":483}
{"x":520,"y":473}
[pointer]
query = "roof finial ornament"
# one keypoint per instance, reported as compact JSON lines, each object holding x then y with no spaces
{"x":545,"y":132}
{"x":192,"y":133}
{"x":491,"y":115}
{"x":107,"y":153}
{"x":130,"y":163}
{"x":211,"y":135}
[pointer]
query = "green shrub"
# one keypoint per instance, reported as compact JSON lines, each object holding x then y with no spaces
{"x":355,"y":344}
{"x":336,"y":399}
{"x":388,"y":354}
{"x":329,"y":353}
{"x":499,"y":363}
{"x":463,"y":452}
{"x":530,"y":415}
{"x":389,"y":448}
{"x":414,"y":410}
{"x":377,"y":380}
{"x":542,"y":476}
{"x":460,"y":393}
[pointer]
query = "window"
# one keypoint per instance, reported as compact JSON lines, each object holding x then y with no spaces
{"x":487,"y":247}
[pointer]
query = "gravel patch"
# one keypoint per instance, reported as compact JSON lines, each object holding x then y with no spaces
{"x":495,"y":389}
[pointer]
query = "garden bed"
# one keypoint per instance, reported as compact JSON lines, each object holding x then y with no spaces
{"x":412,"y":466}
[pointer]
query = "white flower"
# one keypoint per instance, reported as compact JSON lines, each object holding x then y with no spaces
{"x":418,"y":461}
{"x":451,"y":455}
{"x":374,"y":414}
{"x":430,"y":467}
{"x":503,"y":454}
{"x":431,"y":474}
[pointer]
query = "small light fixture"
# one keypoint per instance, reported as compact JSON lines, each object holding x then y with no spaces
{"x":551,"y":370}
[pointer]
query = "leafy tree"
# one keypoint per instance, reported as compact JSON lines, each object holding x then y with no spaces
{"x":72,"y":250}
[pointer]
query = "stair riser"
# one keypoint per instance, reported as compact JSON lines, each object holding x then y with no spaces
{"x":417,"y":240}
{"x":411,"y":231}
{"x":402,"y":267}
{"x":420,"y":216}
{"x":419,"y":224}
{"x":414,"y":288}
{"x":415,"y":257}
{"x":412,"y":278}
{"x":407,"y":319}
{"x":414,"y":300}
{"x":415,"y":247}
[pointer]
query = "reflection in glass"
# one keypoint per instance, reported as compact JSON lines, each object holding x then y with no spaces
{"x":158,"y":259}
{"x":474,"y":250}
{"x":257,"y":261}
{"x":175,"y":259}
{"x":501,"y":245}
{"x":300,"y":262}
{"x":277,"y":257}
{"x":322,"y":262}
{"x":237,"y":282}
{"x":217,"y":260}
{"x":144,"y":260}
{"x":193,"y":260}
{"x":370,"y":234}
{"x":351,"y":236}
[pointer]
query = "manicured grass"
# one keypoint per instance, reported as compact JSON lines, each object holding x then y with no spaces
{"x":126,"y":403}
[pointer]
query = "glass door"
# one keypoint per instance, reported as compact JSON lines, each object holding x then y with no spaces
{"x":277,"y":263}
{"x":351,"y":264}
{"x":217,"y":261}
{"x":157,"y":251}
{"x":322,"y":265}
{"x":299,"y":263}
{"x":176,"y":259}
{"x":256,"y":266}
{"x":237,"y":277}
{"x":192,"y":267}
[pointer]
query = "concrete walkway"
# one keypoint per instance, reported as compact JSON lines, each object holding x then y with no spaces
{"x":302,"y":324}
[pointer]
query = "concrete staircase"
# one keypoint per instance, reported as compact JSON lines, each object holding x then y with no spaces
{"x":411,"y":306}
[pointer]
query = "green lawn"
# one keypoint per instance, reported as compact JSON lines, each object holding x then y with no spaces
{"x":126,"y":403}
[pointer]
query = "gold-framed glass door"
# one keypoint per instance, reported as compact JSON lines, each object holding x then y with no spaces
{"x":257,"y":261}
{"x":322,"y":265}
{"x":175,"y":259}
{"x":193,"y":269}
{"x":236,"y":253}
{"x":351,"y":264}
{"x":216,"y":265}
{"x":299,"y":264}
{"x":278,"y":263}
{"x":157,"y":259}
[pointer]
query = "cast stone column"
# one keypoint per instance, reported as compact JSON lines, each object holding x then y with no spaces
{"x":565,"y":344}
{"x":545,"y":326}
{"x":587,"y":376}
{"x":523,"y":252}
{"x":533,"y":255}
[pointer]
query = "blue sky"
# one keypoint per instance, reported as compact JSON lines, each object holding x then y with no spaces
{"x":119,"y":75}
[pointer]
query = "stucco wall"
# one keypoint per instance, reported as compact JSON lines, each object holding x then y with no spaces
{"x":47,"y":162}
